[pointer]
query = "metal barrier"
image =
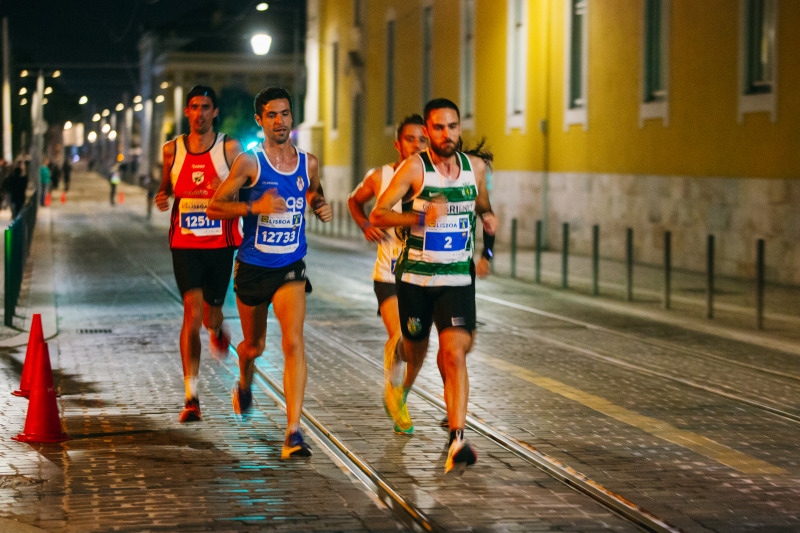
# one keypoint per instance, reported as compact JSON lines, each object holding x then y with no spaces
{"x":18,"y":237}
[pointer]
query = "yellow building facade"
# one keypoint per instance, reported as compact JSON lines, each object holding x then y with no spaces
{"x":655,"y":115}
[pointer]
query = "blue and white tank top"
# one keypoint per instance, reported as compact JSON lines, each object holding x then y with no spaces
{"x":277,"y":239}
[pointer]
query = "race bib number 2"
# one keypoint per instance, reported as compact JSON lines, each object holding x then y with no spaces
{"x":448,"y":238}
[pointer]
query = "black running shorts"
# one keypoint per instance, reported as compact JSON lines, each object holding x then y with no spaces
{"x":255,"y":285}
{"x":383,"y":291}
{"x":447,"y":307}
{"x":206,"y":269}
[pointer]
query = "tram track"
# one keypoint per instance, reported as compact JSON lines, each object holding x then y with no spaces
{"x":611,"y":358}
{"x":402,"y":507}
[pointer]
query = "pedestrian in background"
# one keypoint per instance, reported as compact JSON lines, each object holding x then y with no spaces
{"x":67,"y":170}
{"x":114,"y":180}
{"x":44,"y":182}
{"x":16,"y":185}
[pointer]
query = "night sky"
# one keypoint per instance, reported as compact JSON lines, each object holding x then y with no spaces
{"x":94,"y":43}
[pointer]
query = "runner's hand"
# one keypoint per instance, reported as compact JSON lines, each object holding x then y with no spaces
{"x":162,"y":200}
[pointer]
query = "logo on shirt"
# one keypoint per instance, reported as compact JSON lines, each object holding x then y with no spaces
{"x":300,"y":183}
{"x":197,"y":177}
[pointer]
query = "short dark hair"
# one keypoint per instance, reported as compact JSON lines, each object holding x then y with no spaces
{"x":410,"y":119}
{"x":440,"y":103}
{"x":269,"y":94}
{"x":201,"y":90}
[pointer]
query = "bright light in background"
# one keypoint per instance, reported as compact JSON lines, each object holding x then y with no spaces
{"x":24,"y":101}
{"x":44,"y":101}
{"x":56,"y":73}
{"x":260,"y":43}
{"x":105,"y":112}
{"x":112,"y":135}
{"x":23,"y":74}
{"x":164,"y":84}
{"x":138,"y":107}
{"x":48,"y":90}
{"x":159,"y":98}
{"x":67,"y":125}
{"x":137,"y":99}
{"x":23,"y":90}
{"x":83,"y":100}
{"x":263,"y":6}
{"x":96,"y":117}
{"x":251,"y":145}
{"x":92,"y":137}
{"x":106,"y":128}
{"x":119,"y":107}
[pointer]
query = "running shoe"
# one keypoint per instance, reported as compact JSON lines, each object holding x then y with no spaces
{"x":191,"y":411}
{"x":242,"y":400}
{"x":460,"y":455}
{"x":295,"y":447}
{"x":394,"y":368}
{"x":394,"y":400}
{"x":219,"y":343}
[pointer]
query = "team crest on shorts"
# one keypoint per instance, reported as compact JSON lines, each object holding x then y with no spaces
{"x":300,"y":183}
{"x":414,"y":325}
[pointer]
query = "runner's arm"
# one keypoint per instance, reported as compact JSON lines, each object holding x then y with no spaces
{"x":314,"y":195}
{"x":362,"y":194}
{"x":164,"y":192}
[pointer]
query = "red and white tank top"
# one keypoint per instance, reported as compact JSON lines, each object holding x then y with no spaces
{"x":195,"y":177}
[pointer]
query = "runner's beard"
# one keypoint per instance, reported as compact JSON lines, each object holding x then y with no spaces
{"x":445,"y":150}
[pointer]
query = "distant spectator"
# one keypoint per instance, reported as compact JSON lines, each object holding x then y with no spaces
{"x":16,"y":185}
{"x":44,"y":181}
{"x":55,"y":174}
{"x":67,"y":170}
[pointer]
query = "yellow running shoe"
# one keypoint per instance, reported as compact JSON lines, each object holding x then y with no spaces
{"x":394,"y":400}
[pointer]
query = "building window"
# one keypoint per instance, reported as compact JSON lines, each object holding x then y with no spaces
{"x":655,"y":61}
{"x":516,"y":64}
{"x":389,"y":115}
{"x":335,"y":86}
{"x":467,"y":80}
{"x":757,"y":57}
{"x":576,"y":71}
{"x":427,"y":53}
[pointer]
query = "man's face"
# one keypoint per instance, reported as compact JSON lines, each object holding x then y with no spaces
{"x":201,"y":113}
{"x":444,"y":131}
{"x":276,"y":120}
{"x":412,"y":140}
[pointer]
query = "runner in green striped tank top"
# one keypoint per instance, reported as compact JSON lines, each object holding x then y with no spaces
{"x":443,"y":193}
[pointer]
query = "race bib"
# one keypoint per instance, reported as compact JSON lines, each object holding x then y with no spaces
{"x":278,"y":233}
{"x":193,"y":219}
{"x":447,"y":239}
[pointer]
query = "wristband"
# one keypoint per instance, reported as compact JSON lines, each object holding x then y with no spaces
{"x":249,"y":207}
{"x":488,"y":244}
{"x":365,"y":225}
{"x":421,"y":219}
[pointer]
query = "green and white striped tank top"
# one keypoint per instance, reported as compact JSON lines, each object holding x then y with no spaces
{"x":440,"y":253}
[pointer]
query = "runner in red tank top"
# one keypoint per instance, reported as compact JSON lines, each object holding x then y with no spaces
{"x":202,"y":249}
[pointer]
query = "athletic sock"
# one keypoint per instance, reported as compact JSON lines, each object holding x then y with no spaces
{"x":191,"y":387}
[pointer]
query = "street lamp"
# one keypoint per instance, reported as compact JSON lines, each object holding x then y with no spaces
{"x":83,"y":100}
{"x":260,"y":43}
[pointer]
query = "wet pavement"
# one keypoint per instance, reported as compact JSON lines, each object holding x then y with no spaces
{"x":693,"y":420}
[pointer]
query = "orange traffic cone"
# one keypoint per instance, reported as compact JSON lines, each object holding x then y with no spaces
{"x":63,"y":197}
{"x":35,"y":339}
{"x":47,"y":198}
{"x":42,"y":424}
{"x":121,"y":197}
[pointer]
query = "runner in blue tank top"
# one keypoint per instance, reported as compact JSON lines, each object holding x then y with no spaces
{"x":270,"y":187}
